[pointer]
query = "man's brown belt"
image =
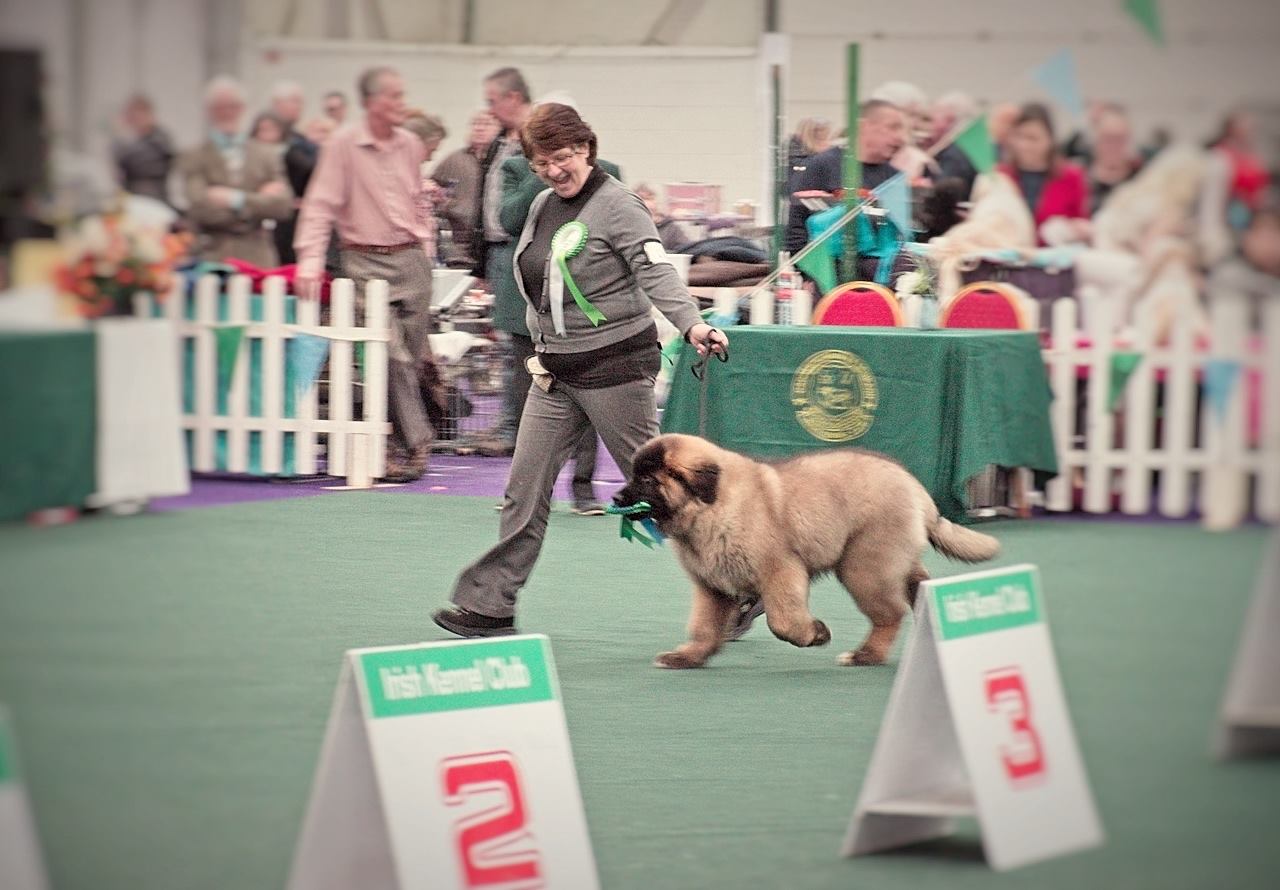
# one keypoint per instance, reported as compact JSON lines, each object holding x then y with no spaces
{"x":381,"y":248}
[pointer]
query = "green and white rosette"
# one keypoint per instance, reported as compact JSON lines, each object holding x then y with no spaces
{"x":567,"y":242}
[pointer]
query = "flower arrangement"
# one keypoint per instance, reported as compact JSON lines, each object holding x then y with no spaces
{"x":108,"y":258}
{"x":917,"y":292}
{"x":917,"y":281}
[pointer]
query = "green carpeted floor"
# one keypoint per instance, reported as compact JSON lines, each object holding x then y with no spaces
{"x":170,"y":676}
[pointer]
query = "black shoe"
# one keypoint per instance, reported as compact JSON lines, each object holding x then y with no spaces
{"x":588,"y":508}
{"x":741,"y":621}
{"x":466,"y":623}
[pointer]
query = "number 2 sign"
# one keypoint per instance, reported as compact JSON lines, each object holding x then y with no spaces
{"x":446,"y":765}
{"x":977,"y":725}
{"x":495,"y":846}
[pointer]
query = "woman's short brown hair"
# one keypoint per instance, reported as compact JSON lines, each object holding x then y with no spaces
{"x":553,"y":126}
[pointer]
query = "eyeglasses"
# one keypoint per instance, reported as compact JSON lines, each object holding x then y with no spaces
{"x":559,"y":159}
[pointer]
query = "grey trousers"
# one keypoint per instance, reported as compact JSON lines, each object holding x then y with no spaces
{"x":408,"y":277}
{"x":519,"y":382}
{"x":551,"y":426}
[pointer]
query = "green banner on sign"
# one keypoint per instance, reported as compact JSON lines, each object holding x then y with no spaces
{"x":8,"y":766}
{"x":985,"y":604}
{"x":431,"y":679}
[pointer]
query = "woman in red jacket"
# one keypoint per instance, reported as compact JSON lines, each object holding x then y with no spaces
{"x":1052,"y":187}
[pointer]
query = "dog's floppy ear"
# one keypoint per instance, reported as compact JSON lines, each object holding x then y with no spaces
{"x":703,"y":482}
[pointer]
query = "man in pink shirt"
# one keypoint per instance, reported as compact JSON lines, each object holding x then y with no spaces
{"x":367,"y":184}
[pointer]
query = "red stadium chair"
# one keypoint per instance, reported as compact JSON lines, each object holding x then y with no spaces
{"x":862,"y":303}
{"x":986,"y":304}
{"x":994,"y":306}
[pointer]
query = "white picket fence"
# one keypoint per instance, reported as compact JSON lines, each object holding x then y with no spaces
{"x":341,"y":431}
{"x":1176,"y":454}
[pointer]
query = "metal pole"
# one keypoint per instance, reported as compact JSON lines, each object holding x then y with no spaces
{"x":852,"y":164}
{"x":779,"y":168}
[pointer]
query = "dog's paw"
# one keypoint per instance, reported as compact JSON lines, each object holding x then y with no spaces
{"x":676,"y":661}
{"x":859,"y":657}
{"x":821,"y":634}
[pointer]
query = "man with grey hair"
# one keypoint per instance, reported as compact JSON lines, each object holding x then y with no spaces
{"x":507,"y":95}
{"x":912,"y":101}
{"x":286,"y":103}
{"x":233,"y":185}
{"x":368,"y":185}
{"x":299,"y":157}
{"x":952,"y":111}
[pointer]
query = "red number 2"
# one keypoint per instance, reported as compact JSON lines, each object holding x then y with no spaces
{"x":494,"y":845}
{"x":1023,"y":756}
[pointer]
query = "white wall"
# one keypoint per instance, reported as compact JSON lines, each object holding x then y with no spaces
{"x":661,"y":114}
{"x":98,"y":52}
{"x":1218,"y":53}
{"x":677,"y":113}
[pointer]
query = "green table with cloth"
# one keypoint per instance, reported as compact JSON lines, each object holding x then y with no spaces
{"x":89,"y":416}
{"x":944,"y":403}
{"x":47,"y":420}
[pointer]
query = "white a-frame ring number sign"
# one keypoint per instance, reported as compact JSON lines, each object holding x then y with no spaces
{"x":977,"y":725}
{"x":446,"y":765}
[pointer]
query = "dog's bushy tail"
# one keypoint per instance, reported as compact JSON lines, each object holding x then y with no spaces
{"x":962,"y":543}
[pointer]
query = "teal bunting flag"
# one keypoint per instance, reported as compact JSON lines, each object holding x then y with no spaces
{"x":1220,"y":375}
{"x":304,"y":357}
{"x":1058,"y":78}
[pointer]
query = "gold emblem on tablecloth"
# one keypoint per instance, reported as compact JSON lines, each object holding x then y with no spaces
{"x":834,"y":393}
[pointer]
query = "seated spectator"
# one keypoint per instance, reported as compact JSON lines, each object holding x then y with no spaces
{"x":812,"y":137}
{"x":1254,"y":272}
{"x":144,"y":154}
{"x":233,"y":185}
{"x":1055,"y":190}
{"x":1113,"y":159}
{"x":911,"y":158}
{"x":1235,"y":185}
{"x":882,"y":131}
{"x":1000,"y":120}
{"x":952,"y":111}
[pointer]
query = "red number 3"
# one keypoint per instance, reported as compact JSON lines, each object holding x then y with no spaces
{"x":1023,"y":756}
{"x":494,"y":845}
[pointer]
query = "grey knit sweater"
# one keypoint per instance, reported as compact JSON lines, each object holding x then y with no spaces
{"x":615,"y":271}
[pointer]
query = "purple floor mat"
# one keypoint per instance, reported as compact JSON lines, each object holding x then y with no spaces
{"x":448,"y":474}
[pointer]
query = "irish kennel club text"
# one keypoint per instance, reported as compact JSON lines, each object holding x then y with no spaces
{"x":428,"y":679}
{"x":1008,"y":599}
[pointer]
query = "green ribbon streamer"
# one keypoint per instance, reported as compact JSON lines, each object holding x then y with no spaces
{"x":629,"y":532}
{"x":587,"y":307}
{"x":627,"y":529}
{"x":568,"y":241}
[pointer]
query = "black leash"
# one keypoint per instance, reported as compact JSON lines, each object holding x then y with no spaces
{"x":699,"y":369}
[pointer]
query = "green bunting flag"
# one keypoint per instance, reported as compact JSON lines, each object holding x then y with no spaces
{"x":1123,"y":364}
{"x":819,"y":266}
{"x":976,"y":143}
{"x":228,"y":338}
{"x":1147,"y":14}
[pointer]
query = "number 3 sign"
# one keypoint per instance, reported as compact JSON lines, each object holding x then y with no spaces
{"x":1007,"y":697}
{"x":977,"y":725}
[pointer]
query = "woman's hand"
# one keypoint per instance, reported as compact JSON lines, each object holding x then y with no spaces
{"x":707,"y":339}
